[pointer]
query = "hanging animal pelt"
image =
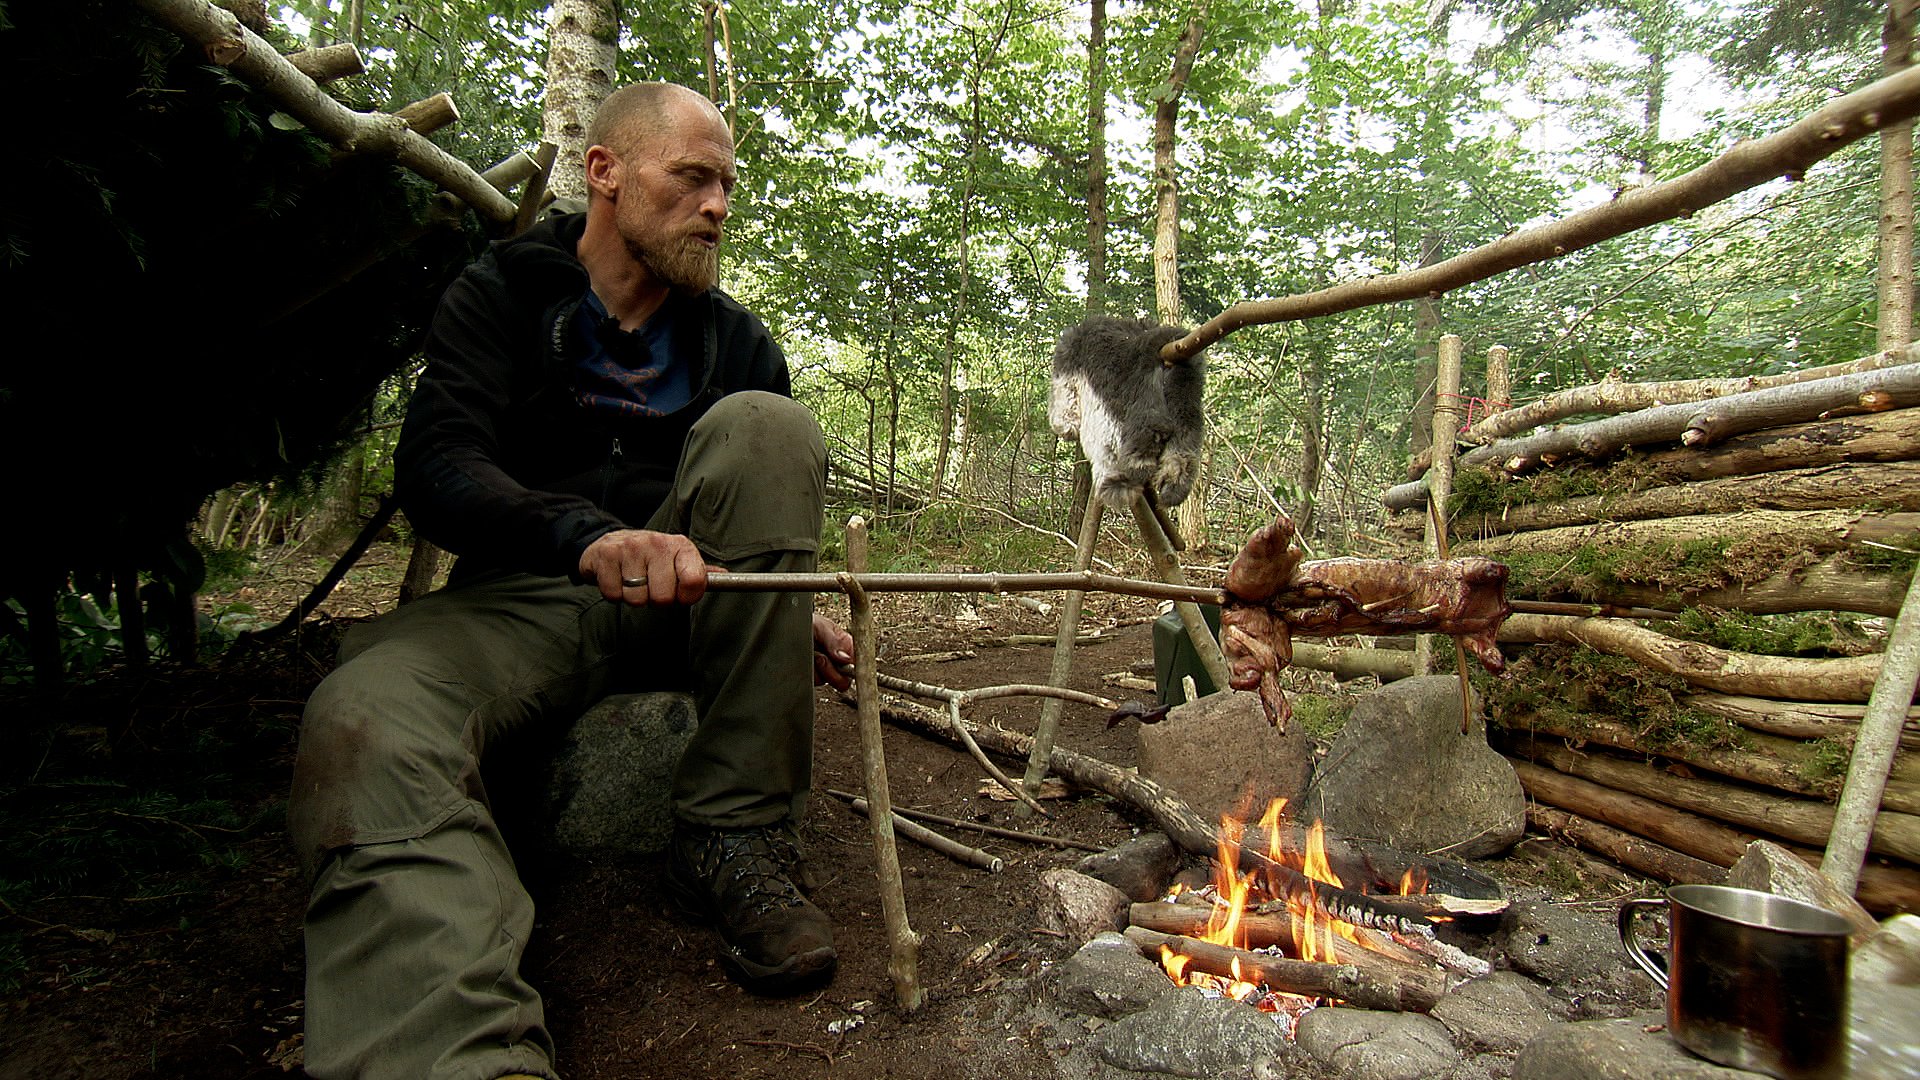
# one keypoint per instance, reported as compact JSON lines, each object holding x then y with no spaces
{"x":1137,"y":419}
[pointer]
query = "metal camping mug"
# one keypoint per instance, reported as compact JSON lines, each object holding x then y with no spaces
{"x":1753,"y":980}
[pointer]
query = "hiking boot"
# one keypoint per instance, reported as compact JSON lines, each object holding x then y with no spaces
{"x":773,"y":939}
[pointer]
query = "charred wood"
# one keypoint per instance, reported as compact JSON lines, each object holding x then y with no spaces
{"x":1363,"y":988}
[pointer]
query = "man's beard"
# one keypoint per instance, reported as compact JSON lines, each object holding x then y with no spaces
{"x":684,"y":264}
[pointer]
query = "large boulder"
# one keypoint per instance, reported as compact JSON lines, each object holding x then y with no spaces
{"x":1221,"y":755}
{"x":610,"y":783}
{"x":1402,"y":772}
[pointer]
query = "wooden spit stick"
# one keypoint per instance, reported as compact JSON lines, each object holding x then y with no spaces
{"x":903,"y":943}
{"x":951,"y":848}
{"x":1049,"y":726}
{"x":1362,"y":989}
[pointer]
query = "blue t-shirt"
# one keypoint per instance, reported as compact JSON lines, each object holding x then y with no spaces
{"x":628,"y":373}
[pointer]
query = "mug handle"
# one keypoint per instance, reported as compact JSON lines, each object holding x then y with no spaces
{"x":1630,"y":940}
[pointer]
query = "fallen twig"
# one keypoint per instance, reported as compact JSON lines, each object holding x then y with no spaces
{"x":990,"y":830}
{"x":951,"y":848}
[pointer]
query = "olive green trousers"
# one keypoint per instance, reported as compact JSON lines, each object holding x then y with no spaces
{"x":416,"y":920}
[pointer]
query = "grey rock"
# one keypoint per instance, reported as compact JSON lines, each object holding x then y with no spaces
{"x":1499,"y":1012}
{"x":1402,"y":772}
{"x":1891,"y":955}
{"x":1109,"y":978}
{"x":1186,"y":1033}
{"x":1769,"y":868}
{"x":1358,"y":1044}
{"x":1142,"y":867}
{"x":1221,"y":756}
{"x":610,"y":782}
{"x":1559,"y":945}
{"x":1615,"y":1050}
{"x":1080,"y":907}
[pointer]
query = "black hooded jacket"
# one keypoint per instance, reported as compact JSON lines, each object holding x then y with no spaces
{"x":497,"y":461}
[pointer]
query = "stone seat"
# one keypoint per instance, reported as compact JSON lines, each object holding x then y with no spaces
{"x":609,"y":784}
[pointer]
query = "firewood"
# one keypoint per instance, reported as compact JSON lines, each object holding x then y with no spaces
{"x":1176,"y":819}
{"x":1365,"y":989}
{"x":1421,"y":986}
{"x":1801,"y":820}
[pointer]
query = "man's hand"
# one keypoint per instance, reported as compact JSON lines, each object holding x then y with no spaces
{"x":832,"y":647}
{"x":639,"y":567}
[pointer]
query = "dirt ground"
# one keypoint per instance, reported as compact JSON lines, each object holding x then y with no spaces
{"x":189,"y":964}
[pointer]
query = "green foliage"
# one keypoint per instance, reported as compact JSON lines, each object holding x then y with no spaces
{"x":1591,"y":570}
{"x":1809,"y":634}
{"x":1826,"y":762}
{"x":1567,"y":685}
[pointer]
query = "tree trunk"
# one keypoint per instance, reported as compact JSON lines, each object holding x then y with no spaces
{"x":1808,"y":530}
{"x":1763,"y":760}
{"x":583,"y":44}
{"x":1846,"y":679}
{"x":1798,"y":719}
{"x":1192,"y":523}
{"x":1883,"y":485}
{"x":1612,"y":395}
{"x":1882,"y":887}
{"x":1633,"y":852}
{"x":1097,"y":159}
{"x":1832,"y":584}
{"x":1426,"y":353}
{"x":1894,"y":282}
{"x":1801,"y":820}
{"x":1705,"y":423}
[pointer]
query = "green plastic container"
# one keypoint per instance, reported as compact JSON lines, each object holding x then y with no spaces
{"x":1174,"y":658}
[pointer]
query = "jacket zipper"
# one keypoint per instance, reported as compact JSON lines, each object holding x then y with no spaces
{"x":613,"y":460}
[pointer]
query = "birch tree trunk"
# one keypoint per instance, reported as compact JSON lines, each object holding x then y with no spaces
{"x":1097,"y":159}
{"x":583,"y":42}
{"x":1192,"y":514}
{"x":1894,"y":284}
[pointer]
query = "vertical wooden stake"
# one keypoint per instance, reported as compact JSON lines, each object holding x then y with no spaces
{"x":1499,"y":380}
{"x":1169,"y":569}
{"x":1446,"y":426}
{"x":1873,"y":748}
{"x":903,"y":944}
{"x":1049,"y":726}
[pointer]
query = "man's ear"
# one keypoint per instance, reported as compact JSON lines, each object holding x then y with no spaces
{"x":603,"y":171}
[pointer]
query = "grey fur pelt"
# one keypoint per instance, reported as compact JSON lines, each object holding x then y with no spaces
{"x":1139,"y":421}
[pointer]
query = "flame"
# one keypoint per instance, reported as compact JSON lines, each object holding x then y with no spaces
{"x":1314,"y":933}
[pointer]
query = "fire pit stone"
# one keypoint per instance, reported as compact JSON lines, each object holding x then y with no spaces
{"x":1359,"y":1044}
{"x":1561,"y":945}
{"x":1498,"y":1013}
{"x":1633,"y":1046}
{"x":1107,"y":977}
{"x":1078,"y":907}
{"x":1141,"y":868}
{"x":1186,"y":1033}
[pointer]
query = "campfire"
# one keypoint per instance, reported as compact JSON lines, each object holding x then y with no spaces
{"x":1279,"y":929}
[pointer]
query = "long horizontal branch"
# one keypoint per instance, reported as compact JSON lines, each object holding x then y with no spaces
{"x":1788,"y":153}
{"x":1345,"y":982}
{"x":238,"y":49}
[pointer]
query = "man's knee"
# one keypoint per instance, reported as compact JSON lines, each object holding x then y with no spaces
{"x":763,"y":433}
{"x":381,"y":758}
{"x":754,"y":477}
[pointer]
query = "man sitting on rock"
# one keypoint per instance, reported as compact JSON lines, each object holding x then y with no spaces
{"x":597,"y":425}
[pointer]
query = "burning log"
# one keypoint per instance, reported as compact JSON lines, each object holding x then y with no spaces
{"x":1364,"y":989}
{"x":1272,"y":595}
{"x":1419,"y":988}
{"x":1178,"y":821}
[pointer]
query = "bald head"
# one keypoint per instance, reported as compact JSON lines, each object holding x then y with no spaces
{"x":636,"y":114}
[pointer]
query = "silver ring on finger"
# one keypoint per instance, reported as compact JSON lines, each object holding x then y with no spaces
{"x":634,"y":582}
